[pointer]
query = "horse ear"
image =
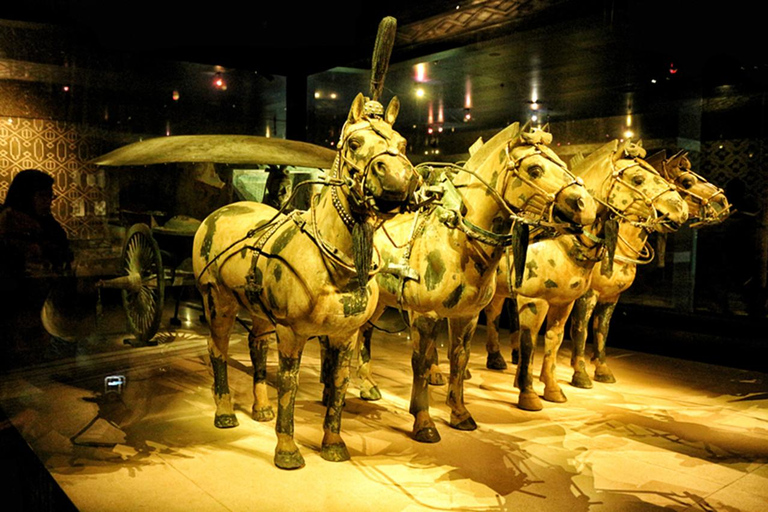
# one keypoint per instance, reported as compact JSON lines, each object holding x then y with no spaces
{"x":392,"y":110}
{"x":356,"y":111}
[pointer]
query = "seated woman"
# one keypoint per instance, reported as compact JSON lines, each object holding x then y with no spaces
{"x":34,"y":252}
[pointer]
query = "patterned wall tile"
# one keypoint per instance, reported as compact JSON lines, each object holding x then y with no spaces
{"x":62,"y":150}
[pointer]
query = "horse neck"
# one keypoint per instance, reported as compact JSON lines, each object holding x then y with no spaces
{"x":330,"y":224}
{"x":631,"y":240}
{"x":481,"y":207}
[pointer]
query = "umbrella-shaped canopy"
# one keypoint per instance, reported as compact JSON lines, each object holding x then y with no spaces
{"x":225,"y":149}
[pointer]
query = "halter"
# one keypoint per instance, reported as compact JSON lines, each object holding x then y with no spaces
{"x":550,"y":199}
{"x":617,"y":176}
{"x":360,"y":203}
{"x":707,"y":213}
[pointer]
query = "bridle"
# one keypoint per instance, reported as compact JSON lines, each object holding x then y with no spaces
{"x":361,"y":203}
{"x":707,"y":214}
{"x":617,"y":177}
{"x":545,"y":214}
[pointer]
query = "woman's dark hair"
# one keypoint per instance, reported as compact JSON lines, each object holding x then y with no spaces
{"x":23,"y":188}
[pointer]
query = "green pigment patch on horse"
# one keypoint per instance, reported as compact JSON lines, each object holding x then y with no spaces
{"x":354,"y":303}
{"x":550,"y":284}
{"x":435,"y":270}
{"x":531,"y":306}
{"x":220,"y":384}
{"x":492,"y":182}
{"x":210,"y":226}
{"x":271,"y":300}
{"x":453,"y":297}
{"x":211,"y":305}
{"x":287,"y":383}
{"x":253,"y":283}
{"x":284,"y":238}
{"x":531,"y":266}
{"x":277,"y":272}
{"x":551,"y":262}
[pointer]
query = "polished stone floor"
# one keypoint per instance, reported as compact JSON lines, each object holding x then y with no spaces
{"x":670,"y":435}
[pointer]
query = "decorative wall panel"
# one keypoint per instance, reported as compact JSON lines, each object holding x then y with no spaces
{"x":62,"y":150}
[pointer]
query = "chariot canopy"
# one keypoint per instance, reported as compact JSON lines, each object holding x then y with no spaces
{"x":224,"y":149}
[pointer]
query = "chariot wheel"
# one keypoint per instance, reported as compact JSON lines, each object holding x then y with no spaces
{"x":143,"y":297}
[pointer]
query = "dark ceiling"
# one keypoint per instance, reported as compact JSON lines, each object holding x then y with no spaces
{"x":589,"y":53}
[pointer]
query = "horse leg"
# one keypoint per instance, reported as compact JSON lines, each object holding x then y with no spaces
{"x":220,"y":310}
{"x":582,"y":312}
{"x":436,"y":377}
{"x":287,"y":455}
{"x":258,"y":345}
{"x":423,"y":338}
{"x":368,"y":388}
{"x":460,"y":331}
{"x":494,"y":359}
{"x":556,"y":318}
{"x":338,"y":355}
{"x":531,"y":315}
{"x":514,"y":330}
{"x":603,"y":313}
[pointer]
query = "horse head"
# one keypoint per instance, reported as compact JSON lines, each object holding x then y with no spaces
{"x":635,"y":191}
{"x":707,"y":203}
{"x":371,"y":159}
{"x":539,"y":183}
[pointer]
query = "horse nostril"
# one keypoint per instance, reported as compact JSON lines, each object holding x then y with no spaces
{"x":580,"y":204}
{"x":380,"y":168}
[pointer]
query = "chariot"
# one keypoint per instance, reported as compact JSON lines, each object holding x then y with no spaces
{"x":162,"y":187}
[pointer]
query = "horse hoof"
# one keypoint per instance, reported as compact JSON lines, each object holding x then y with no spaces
{"x":263,"y":413}
{"x":529,"y":401}
{"x":466,"y":424}
{"x":556,"y":395}
{"x":436,"y":379}
{"x":289,"y":460}
{"x":427,"y":435}
{"x":605,"y":376}
{"x":581,"y":380}
{"x":495,"y":361}
{"x":371,"y":394}
{"x":225,"y":421}
{"x":335,"y":452}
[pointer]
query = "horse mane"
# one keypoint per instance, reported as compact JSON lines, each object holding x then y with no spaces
{"x":489,"y":148}
{"x":585,"y":163}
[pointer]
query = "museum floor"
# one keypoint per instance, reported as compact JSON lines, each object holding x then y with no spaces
{"x":670,"y":435}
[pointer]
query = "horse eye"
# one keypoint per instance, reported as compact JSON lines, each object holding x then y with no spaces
{"x":688,"y":182}
{"x":638,"y":179}
{"x":535,"y":171}
{"x":354,"y":144}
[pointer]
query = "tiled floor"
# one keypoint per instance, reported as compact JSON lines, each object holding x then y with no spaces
{"x":669,"y":435}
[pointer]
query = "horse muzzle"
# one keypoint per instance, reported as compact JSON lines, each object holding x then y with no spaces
{"x":391,"y":183}
{"x":574,"y":208}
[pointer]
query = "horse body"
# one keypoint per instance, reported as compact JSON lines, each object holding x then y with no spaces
{"x":455,"y":251}
{"x":560,"y":270}
{"x":707,"y":205}
{"x":302,"y":275}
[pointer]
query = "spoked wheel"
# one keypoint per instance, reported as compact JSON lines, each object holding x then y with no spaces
{"x":143,"y":297}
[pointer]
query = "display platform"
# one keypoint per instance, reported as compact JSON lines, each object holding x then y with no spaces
{"x":126,"y":428}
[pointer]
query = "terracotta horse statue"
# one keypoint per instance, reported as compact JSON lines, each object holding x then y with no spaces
{"x":305,"y":274}
{"x":559,"y":270}
{"x":448,"y":255}
{"x":707,"y":205}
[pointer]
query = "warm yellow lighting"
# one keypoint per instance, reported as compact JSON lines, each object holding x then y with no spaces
{"x":268,"y":134}
{"x":629,"y":120}
{"x":628,"y":134}
{"x":176,"y":96}
{"x":334,"y":95}
{"x":420,"y":72}
{"x":317,"y":95}
{"x":420,"y":92}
